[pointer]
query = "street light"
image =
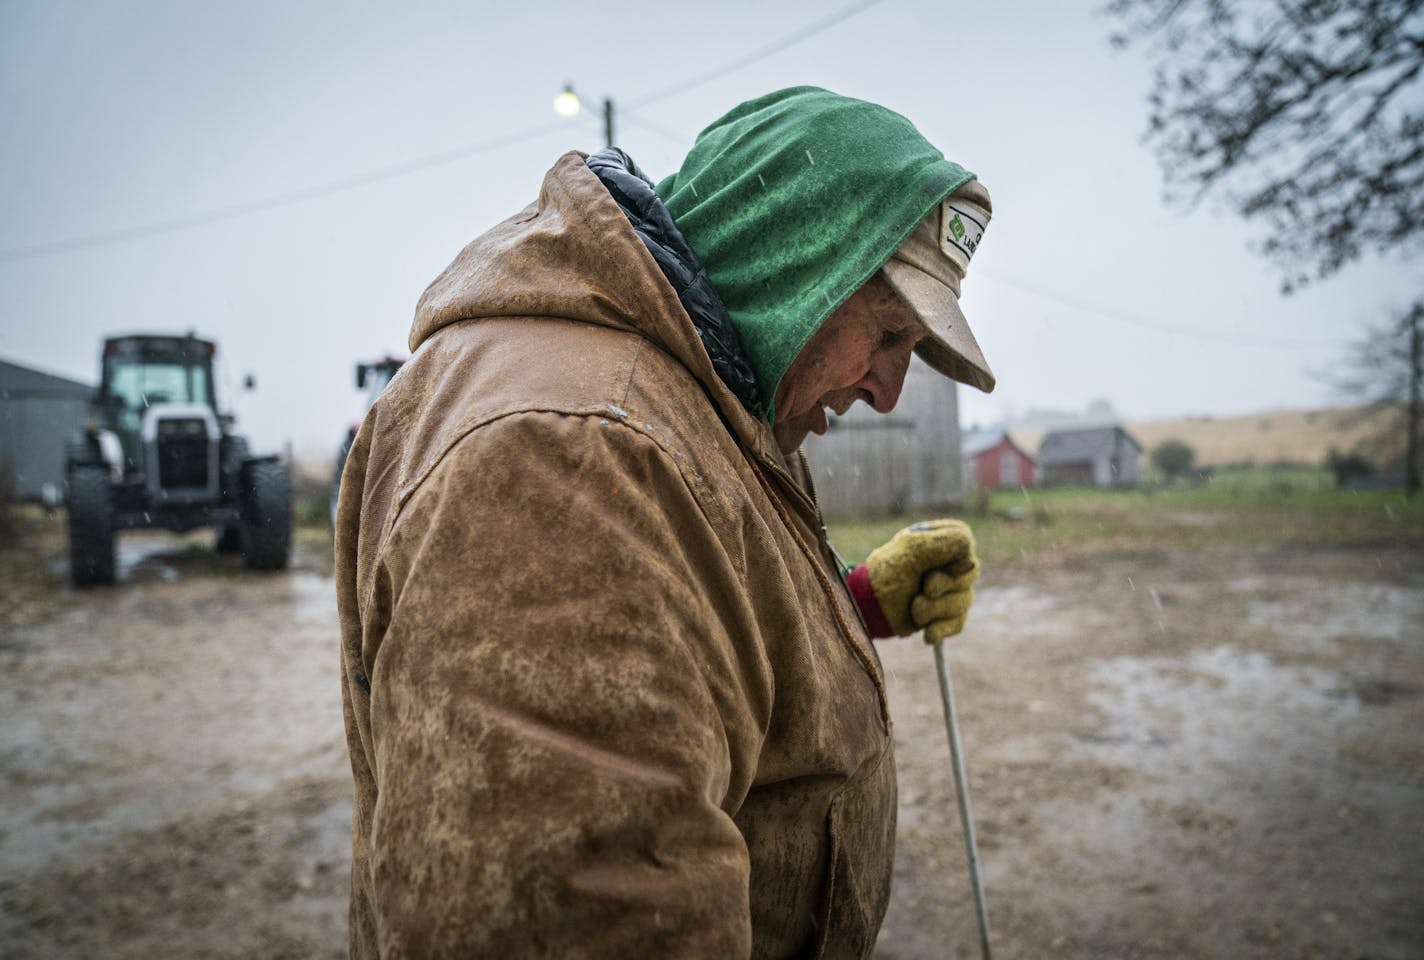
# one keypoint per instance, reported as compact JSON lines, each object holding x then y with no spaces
{"x":568,"y":104}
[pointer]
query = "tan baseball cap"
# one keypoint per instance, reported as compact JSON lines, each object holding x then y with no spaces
{"x":927,"y":270}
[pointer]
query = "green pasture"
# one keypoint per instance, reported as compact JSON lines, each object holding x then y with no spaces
{"x":1244,"y":507}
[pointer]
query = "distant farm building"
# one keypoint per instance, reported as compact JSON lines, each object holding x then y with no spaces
{"x":908,"y":460}
{"x":992,"y":460}
{"x":38,"y":413}
{"x":1091,"y":457}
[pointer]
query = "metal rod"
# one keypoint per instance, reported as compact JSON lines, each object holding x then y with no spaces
{"x":961,"y":784}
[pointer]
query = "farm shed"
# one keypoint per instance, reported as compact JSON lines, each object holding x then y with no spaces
{"x":38,"y":413}
{"x":992,"y":460}
{"x":1090,"y":456}
{"x":907,"y":460}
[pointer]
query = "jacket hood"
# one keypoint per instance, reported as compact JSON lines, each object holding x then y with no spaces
{"x":573,"y":254}
{"x":650,"y":219}
{"x":792,"y":202}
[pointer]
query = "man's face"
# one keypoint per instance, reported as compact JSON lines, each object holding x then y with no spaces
{"x":861,"y":352}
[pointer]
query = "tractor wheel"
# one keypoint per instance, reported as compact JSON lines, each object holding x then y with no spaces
{"x":229,"y":539}
{"x":341,"y":455}
{"x":234,"y":455}
{"x":91,"y":529}
{"x":266,"y":514}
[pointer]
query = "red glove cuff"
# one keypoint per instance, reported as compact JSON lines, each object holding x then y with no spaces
{"x":858,"y":582}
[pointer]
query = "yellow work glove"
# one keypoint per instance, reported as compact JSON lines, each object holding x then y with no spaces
{"x":923,"y":578}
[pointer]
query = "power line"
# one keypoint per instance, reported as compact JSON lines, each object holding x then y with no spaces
{"x":234,"y":211}
{"x":761,"y":53}
{"x":1106,"y":313}
{"x":638,"y":121}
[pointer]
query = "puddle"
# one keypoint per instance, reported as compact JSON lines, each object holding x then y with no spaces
{"x":313,"y":598}
{"x":146,"y":558}
{"x":1024,"y":610}
{"x":1353,"y":610}
{"x":1211,"y":710}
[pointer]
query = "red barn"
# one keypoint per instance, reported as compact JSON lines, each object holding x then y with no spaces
{"x":992,"y":460}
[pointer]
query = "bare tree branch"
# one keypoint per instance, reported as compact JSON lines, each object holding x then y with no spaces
{"x":1304,"y":115}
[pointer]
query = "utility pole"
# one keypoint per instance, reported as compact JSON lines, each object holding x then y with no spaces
{"x":1416,"y":402}
{"x":567,"y":104}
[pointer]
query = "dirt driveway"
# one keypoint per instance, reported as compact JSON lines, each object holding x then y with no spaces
{"x":1213,"y":754}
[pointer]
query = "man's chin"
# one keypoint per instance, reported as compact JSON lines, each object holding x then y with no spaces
{"x":790,"y":436}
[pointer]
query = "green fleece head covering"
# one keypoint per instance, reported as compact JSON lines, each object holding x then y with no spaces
{"x":792,"y":202}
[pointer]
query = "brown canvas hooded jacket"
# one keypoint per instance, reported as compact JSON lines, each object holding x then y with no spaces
{"x":605,"y":693}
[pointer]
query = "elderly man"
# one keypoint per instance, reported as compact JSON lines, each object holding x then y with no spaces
{"x":608,"y":692}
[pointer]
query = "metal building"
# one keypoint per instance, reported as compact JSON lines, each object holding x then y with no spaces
{"x":1090,"y":456}
{"x":38,"y":413}
{"x":906,"y":461}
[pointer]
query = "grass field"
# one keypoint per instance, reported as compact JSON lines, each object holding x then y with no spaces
{"x":1253,"y":506}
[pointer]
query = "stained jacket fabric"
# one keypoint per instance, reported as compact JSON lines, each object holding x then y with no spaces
{"x":605,"y":693}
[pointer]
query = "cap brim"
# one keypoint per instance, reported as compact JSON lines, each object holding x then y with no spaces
{"x":950,"y":347}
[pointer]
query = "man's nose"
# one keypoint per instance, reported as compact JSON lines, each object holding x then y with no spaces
{"x":885,"y":379}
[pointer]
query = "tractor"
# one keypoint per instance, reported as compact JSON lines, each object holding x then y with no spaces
{"x":371,"y":377}
{"x":157,"y":454}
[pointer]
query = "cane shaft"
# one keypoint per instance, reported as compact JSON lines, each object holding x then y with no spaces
{"x":961,"y":785}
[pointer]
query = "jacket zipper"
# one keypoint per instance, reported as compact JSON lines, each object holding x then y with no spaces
{"x":841,"y":565}
{"x":869,"y":659}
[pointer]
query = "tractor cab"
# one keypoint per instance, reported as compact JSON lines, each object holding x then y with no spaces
{"x":373,"y":376}
{"x":140,"y":373}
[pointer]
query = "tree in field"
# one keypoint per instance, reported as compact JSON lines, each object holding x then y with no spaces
{"x":1348,"y":469}
{"x":1173,"y":458}
{"x":1385,"y":368}
{"x":1307,"y":118}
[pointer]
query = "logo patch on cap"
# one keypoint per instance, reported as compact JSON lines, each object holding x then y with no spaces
{"x":962,"y":227}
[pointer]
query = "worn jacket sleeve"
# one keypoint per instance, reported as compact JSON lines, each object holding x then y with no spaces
{"x":567,"y":697}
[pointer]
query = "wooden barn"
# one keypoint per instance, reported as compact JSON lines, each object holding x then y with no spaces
{"x":1091,"y":457}
{"x":993,"y":460}
{"x":902,"y":462}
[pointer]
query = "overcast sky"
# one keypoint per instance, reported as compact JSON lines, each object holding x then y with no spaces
{"x":119,"y":119}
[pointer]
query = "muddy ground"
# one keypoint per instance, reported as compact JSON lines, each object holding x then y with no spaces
{"x":1217,"y":753}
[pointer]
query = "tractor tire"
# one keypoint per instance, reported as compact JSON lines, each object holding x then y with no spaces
{"x":91,"y":528}
{"x":228,"y":540}
{"x":341,"y":454}
{"x":234,"y":455}
{"x":266,"y":514}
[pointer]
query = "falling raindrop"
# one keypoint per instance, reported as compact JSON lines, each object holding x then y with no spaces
{"x":810,"y":158}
